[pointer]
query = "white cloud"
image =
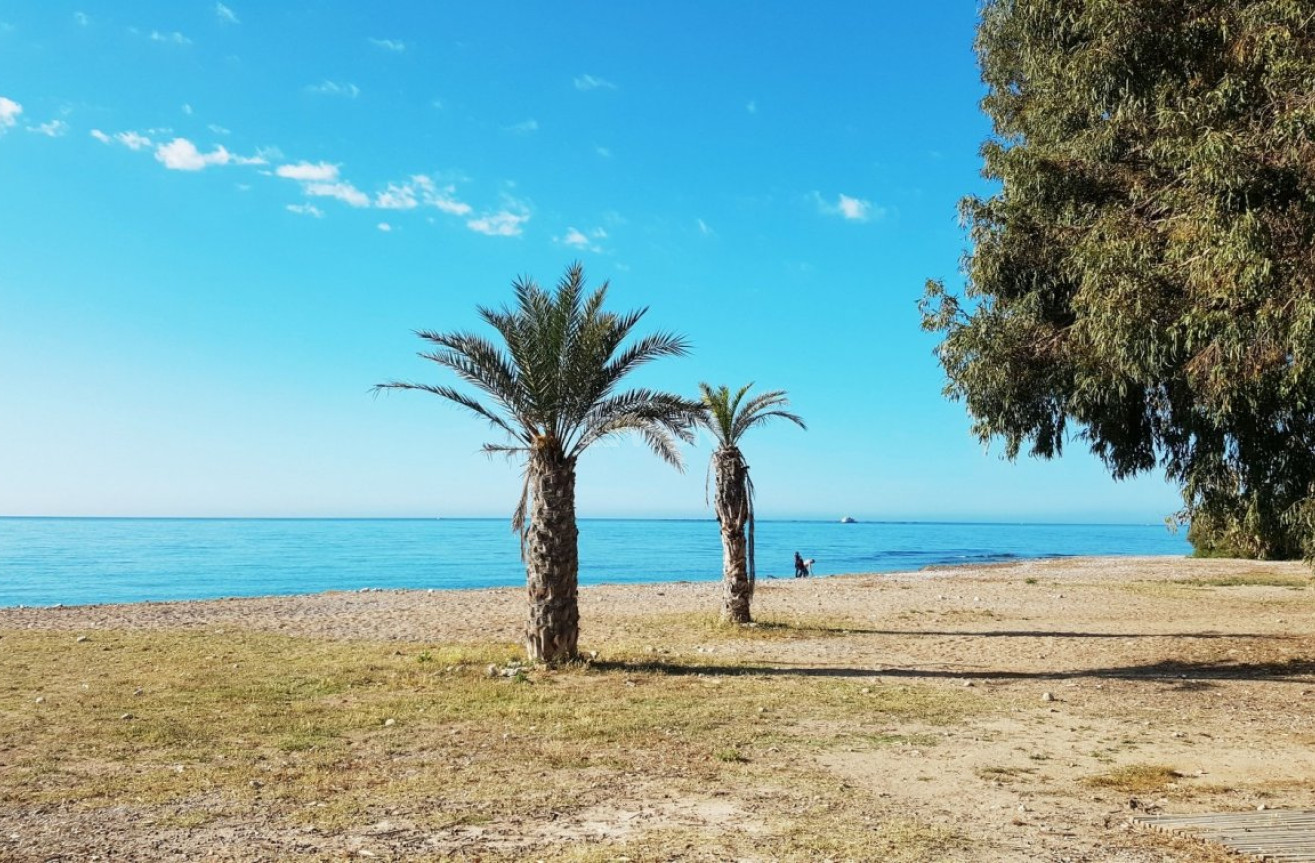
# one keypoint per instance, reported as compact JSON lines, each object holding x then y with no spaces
{"x":181,"y":154}
{"x":396,"y":197}
{"x":53,"y":129}
{"x":225,"y":14}
{"x":395,"y":45}
{"x":345,"y":192}
{"x":589,"y":82}
{"x":444,"y":199}
{"x":384,"y":226}
{"x":9,"y":111}
{"x":578,"y":239}
{"x":333,"y":88}
{"x":504,"y":223}
{"x":101,"y":136}
{"x":306,"y":210}
{"x":704,"y":229}
{"x":524,"y":128}
{"x":81,"y":19}
{"x":851,"y":209}
{"x":174,"y":38}
{"x":309,"y":171}
{"x":132,"y":140}
{"x":218,"y":129}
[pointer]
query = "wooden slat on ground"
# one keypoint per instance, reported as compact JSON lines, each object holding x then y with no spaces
{"x":1280,"y":835}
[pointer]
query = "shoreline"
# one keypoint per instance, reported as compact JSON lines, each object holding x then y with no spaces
{"x":936,"y":570}
{"x":472,"y":615}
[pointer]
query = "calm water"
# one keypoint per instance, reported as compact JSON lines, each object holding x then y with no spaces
{"x":45,"y":561}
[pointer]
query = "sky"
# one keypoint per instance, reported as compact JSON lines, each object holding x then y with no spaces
{"x":221,"y":224}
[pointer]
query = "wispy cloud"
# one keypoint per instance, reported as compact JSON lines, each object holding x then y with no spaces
{"x":442,"y":198}
{"x":524,"y":128}
{"x":704,"y":229}
{"x":225,"y":14}
{"x":384,"y":226}
{"x":174,"y":38}
{"x":9,"y":111}
{"x":396,"y":197}
{"x":218,"y":129}
{"x":306,"y":210}
{"x":187,"y":109}
{"x":589,"y":82}
{"x":309,"y":171}
{"x":343,"y":191}
{"x":506,"y":222}
{"x":333,"y":88}
{"x":53,"y":129}
{"x":180,"y":154}
{"x":395,"y":45}
{"x":850,"y":209}
{"x":132,"y":140}
{"x":578,"y":239}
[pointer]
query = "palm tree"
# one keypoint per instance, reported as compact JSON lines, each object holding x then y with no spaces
{"x":728,"y":417}
{"x":552,"y":389}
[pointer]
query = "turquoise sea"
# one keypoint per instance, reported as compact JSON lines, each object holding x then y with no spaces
{"x":49,"y":561}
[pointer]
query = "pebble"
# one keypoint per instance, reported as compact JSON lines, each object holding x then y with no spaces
{"x":1047,"y":696}
{"x":138,"y":691}
{"x":82,"y":638}
{"x":492,"y":670}
{"x":41,"y":700}
{"x":126,"y":716}
{"x":388,"y":723}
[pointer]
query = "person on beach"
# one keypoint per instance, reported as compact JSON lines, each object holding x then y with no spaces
{"x":800,"y":568}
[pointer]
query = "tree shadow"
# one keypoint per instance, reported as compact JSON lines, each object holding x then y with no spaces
{"x":1193,"y":674}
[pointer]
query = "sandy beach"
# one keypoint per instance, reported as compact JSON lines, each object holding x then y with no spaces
{"x":1078,"y":668}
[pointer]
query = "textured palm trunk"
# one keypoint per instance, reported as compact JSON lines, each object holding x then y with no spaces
{"x":552,"y":560}
{"x":732,"y":507}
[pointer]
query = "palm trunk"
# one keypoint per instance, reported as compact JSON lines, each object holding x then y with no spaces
{"x":552,"y":560}
{"x":733,"y":514}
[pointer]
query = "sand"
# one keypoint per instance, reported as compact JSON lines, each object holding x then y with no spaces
{"x":1113,"y":654}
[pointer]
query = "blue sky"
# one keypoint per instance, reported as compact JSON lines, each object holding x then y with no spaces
{"x":220,"y":223}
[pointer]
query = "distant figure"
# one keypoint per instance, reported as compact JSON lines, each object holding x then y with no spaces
{"x":802,"y":568}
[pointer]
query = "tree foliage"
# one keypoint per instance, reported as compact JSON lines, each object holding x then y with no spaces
{"x":553,"y":381}
{"x":1145,"y":275}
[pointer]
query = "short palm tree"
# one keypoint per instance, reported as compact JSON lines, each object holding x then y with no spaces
{"x":552,"y":388}
{"x":728,"y":417}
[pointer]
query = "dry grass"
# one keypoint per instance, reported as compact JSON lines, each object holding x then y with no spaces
{"x":202,"y":728}
{"x":1136,"y":779}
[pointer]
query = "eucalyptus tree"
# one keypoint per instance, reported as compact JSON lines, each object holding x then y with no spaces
{"x":552,"y":387}
{"x":1143,"y":272}
{"x":727,"y":417}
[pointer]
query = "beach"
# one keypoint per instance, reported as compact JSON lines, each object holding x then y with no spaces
{"x":1018,"y":711}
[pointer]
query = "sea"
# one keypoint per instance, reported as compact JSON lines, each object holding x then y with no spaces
{"x":79,"y":561}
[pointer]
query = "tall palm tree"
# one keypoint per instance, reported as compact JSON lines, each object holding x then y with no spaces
{"x":728,"y":417}
{"x":552,"y":389}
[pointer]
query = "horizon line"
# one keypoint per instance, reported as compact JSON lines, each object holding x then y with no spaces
{"x":836,"y":521}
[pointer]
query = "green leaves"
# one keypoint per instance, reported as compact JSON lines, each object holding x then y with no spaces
{"x":1144,"y":275}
